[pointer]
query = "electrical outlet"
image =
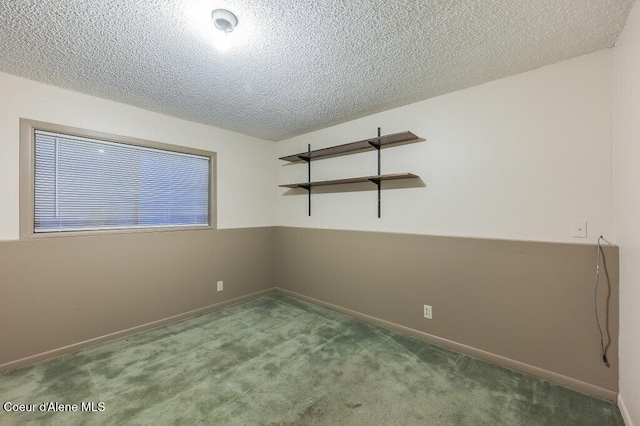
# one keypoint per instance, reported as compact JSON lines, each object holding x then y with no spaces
{"x":428,"y":313}
{"x":220,"y":285}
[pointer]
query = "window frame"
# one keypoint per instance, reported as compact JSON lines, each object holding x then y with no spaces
{"x":27,"y":179}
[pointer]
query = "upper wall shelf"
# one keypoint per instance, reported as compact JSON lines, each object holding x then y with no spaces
{"x":355,"y":147}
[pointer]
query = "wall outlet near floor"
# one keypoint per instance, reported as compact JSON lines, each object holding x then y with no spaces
{"x":579,"y":228}
{"x":220,"y":285}
{"x":428,"y":313}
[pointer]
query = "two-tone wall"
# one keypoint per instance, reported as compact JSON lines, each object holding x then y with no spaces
{"x":484,"y":236}
{"x":508,"y":166}
{"x":626,"y":117}
{"x":60,"y":293}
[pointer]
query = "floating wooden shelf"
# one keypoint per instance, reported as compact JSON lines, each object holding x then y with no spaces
{"x":374,"y":179}
{"x":355,"y":147}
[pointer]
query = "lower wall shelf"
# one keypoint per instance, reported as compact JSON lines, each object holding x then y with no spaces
{"x":375,"y":179}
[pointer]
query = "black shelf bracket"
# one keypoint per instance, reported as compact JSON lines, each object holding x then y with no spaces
{"x":307,"y":158}
{"x":376,"y":145}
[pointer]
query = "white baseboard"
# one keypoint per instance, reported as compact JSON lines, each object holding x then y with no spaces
{"x":12,"y":365}
{"x":468,"y":350}
{"x":623,"y":410}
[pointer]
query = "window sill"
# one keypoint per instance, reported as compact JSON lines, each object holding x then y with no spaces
{"x":66,"y":234}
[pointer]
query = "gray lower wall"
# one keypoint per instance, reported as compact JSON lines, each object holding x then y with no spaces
{"x":56,"y":292}
{"x":527,"y":305}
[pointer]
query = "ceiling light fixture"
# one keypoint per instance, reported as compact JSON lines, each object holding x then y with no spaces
{"x":224,"y":20}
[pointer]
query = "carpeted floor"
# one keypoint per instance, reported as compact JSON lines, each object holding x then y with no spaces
{"x":276,"y":360}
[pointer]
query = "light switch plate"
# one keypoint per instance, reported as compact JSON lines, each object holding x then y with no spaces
{"x":579,"y":229}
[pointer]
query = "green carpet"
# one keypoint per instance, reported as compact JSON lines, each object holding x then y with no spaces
{"x":277,"y":360}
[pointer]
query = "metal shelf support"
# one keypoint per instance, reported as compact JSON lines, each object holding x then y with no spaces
{"x":377,"y":181}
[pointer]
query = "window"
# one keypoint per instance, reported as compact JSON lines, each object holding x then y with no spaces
{"x":83,"y":182}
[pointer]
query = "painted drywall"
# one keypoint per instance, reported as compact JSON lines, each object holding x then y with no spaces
{"x":517,"y":158}
{"x":63,"y":291}
{"x":246,"y":165}
{"x":626,"y":130}
{"x":526,"y":305}
{"x":59,"y":293}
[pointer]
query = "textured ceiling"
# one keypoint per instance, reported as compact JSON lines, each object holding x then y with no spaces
{"x":292,"y":66}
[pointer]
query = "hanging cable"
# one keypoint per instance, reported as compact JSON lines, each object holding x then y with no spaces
{"x":595,"y":298}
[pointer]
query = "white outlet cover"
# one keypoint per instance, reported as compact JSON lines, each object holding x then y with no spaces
{"x":579,"y":228}
{"x":220,"y":285}
{"x":428,"y":312}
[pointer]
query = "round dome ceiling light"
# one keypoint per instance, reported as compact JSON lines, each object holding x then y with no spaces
{"x":224,"y":20}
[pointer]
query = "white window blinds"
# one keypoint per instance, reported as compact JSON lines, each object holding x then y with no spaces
{"x":87,"y":184}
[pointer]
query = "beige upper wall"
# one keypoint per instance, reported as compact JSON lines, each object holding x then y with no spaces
{"x":246,"y":165}
{"x":626,"y":107}
{"x":517,"y":158}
